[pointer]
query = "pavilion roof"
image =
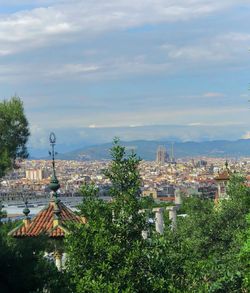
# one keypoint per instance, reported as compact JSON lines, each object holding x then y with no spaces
{"x":45,"y":223}
{"x":54,"y":219}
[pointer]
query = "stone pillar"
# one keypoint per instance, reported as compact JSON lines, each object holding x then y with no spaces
{"x":177,"y":197}
{"x":172,"y":216}
{"x":219,"y":190}
{"x":144,"y":233}
{"x":64,"y":259}
{"x":159,"y":222}
{"x":58,"y":260}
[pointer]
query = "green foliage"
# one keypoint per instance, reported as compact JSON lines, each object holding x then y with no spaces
{"x":209,"y":251}
{"x":204,"y":251}
{"x":148,"y":202}
{"x":24,"y":268}
{"x":3,"y":213}
{"x":108,"y":254}
{"x":88,"y":190}
{"x":14,"y":133}
{"x":123,"y":173}
{"x":244,"y":256}
{"x":5,"y":161}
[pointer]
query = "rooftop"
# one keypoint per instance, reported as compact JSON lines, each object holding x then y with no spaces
{"x":46,"y":223}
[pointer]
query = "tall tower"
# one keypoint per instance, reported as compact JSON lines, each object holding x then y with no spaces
{"x":172,"y":153}
{"x":161,"y":155}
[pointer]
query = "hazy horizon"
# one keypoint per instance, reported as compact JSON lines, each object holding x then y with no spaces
{"x":210,"y":146}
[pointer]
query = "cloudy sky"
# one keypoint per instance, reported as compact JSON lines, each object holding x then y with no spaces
{"x":146,"y":69}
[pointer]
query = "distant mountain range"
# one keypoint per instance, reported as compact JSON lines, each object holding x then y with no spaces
{"x":147,"y":149}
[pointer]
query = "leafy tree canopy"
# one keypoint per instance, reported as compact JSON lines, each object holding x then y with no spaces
{"x":208,"y":252}
{"x":108,"y":254}
{"x":204,"y":252}
{"x":14,"y":133}
{"x":24,"y":268}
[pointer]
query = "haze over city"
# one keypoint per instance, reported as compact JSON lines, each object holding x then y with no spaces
{"x":92,"y":70}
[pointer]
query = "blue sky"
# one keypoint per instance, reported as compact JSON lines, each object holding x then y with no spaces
{"x":145,"y":69}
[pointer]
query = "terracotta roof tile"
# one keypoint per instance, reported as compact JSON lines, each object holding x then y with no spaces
{"x":42,"y":223}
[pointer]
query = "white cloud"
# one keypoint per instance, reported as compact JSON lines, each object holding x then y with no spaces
{"x":72,"y":69}
{"x":244,"y":95}
{"x":191,"y":52}
{"x":215,"y":124}
{"x":92,"y":126}
{"x":209,"y":52}
{"x":229,"y":50}
{"x":101,"y":45}
{"x":213,"y":95}
{"x":124,"y":118}
{"x":237,"y":37}
{"x":28,"y":29}
{"x":195,"y":124}
{"x":42,"y":26}
{"x":65,"y":22}
{"x":218,"y":48}
{"x":109,"y":68}
{"x":246,"y":135}
{"x":19,"y":72}
{"x":150,"y":132}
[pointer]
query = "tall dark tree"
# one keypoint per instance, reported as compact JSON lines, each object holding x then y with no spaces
{"x":108,"y":254}
{"x":14,"y":133}
{"x":23,"y":267}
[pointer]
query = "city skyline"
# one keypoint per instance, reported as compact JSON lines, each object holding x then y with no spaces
{"x":91,"y":70}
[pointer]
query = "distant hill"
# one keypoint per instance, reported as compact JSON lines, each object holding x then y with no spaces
{"x":147,"y":149}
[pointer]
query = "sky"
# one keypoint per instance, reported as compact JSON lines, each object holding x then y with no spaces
{"x":147,"y":69}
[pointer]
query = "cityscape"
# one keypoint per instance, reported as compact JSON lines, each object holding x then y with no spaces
{"x":161,"y":179}
{"x":124,"y":146}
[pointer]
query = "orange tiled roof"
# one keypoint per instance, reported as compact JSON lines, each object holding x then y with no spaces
{"x":43,"y":223}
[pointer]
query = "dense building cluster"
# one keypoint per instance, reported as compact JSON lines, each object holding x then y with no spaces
{"x":162,"y":180}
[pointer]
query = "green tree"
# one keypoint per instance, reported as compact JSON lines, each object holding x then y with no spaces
{"x":14,"y":133}
{"x":88,"y":190}
{"x":204,"y":251}
{"x":207,"y":253}
{"x":108,"y":254}
{"x":244,"y":256}
{"x":23,"y":266}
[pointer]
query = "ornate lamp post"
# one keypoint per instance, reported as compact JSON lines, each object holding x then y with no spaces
{"x":53,"y":220}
